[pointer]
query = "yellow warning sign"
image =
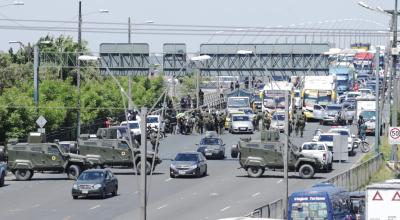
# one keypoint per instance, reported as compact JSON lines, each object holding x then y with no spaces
{"x":123,"y":153}
{"x":53,"y":157}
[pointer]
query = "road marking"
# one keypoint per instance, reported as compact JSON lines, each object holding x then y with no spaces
{"x":226,"y":208}
{"x":163,"y":206}
{"x":169,"y":179}
{"x":213,"y":194}
{"x":95,"y":207}
{"x":15,"y":210}
{"x":182,"y":198}
{"x":36,"y":205}
{"x":195,"y":193}
{"x":67,"y":218}
{"x":136,"y":192}
{"x":255,"y":194}
{"x":279,"y":181}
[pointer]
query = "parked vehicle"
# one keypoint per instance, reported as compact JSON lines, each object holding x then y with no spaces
{"x":188,"y":164}
{"x":241,"y":123}
{"x":212,"y":146}
{"x":256,"y":156}
{"x":278,"y":121}
{"x":3,"y":172}
{"x":134,"y":126}
{"x":95,"y":182}
{"x":383,"y":200}
{"x":320,"y":151}
{"x":36,"y":155}
{"x":155,"y":121}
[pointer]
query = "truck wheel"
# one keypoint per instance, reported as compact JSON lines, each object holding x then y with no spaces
{"x":306,"y":171}
{"x":139,"y":167}
{"x":2,"y":177}
{"x":73,"y":172}
{"x":234,"y":153}
{"x":254,"y":171}
{"x":23,"y":174}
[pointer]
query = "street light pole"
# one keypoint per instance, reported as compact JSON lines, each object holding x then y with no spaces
{"x":78,"y":71}
{"x":377,"y":113}
{"x":285,"y":157}
{"x":394,"y":64}
{"x":129,"y":75}
{"x":143,"y":156}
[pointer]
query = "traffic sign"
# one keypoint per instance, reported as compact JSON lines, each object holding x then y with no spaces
{"x":41,"y":121}
{"x":394,"y":135}
{"x":377,"y":196}
{"x":396,"y":197}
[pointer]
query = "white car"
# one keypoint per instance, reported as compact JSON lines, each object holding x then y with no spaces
{"x":133,"y":125}
{"x":278,"y":121}
{"x":350,"y":138}
{"x":320,"y":151}
{"x":154,"y":121}
{"x":241,"y":123}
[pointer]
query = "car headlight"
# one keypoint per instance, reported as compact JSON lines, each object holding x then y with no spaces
{"x":75,"y":186}
{"x":173,"y":166}
{"x":193,"y":166}
{"x":97,"y":186}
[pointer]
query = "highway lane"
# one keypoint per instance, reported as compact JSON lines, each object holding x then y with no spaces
{"x":225,"y":192}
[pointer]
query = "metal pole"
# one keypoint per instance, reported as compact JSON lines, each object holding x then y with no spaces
{"x":143,"y":176}
{"x":36,"y":76}
{"x":197,"y":88}
{"x":377,"y":111}
{"x":129,"y":75}
{"x":78,"y":72}
{"x":285,"y":157}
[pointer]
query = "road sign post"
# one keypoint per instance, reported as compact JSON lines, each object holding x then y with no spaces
{"x":394,"y":135}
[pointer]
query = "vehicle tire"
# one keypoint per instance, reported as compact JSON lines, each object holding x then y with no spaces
{"x":115,"y":191}
{"x":352,"y":153}
{"x":172,"y":175}
{"x":330,"y":167}
{"x":75,"y":197}
{"x":255,"y":171}
{"x":2,"y":177}
{"x":23,"y":174}
{"x":205,"y":172}
{"x":306,"y":171}
{"x":103,"y":194}
{"x":30,"y":176}
{"x":234,"y":153}
{"x":198,"y":174}
{"x":73,"y":172}
{"x":139,"y":167}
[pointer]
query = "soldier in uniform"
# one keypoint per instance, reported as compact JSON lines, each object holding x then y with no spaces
{"x":221,"y":123}
{"x":258,"y":118}
{"x":153,"y":140}
{"x":267,"y":121}
{"x":302,"y":123}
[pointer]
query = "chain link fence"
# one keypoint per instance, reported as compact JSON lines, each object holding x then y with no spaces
{"x":353,"y":179}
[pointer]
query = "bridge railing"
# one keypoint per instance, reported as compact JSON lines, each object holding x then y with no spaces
{"x":352,"y":180}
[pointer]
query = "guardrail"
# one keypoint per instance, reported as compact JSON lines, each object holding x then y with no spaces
{"x":352,"y":180}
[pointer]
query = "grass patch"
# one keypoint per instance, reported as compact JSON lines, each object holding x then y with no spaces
{"x":384,"y":173}
{"x":385,"y":149}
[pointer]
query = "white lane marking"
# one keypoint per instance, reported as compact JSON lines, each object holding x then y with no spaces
{"x":226,"y":208}
{"x":36,"y":205}
{"x":169,"y":179}
{"x":95,"y":207}
{"x":163,"y":206}
{"x":255,"y":194}
{"x":182,"y":198}
{"x":136,"y":192}
{"x":15,"y":210}
{"x":279,"y":181}
{"x":195,"y":193}
{"x":213,"y":194}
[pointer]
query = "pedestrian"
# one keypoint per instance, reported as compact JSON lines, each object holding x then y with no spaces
{"x":107,"y":122}
{"x":232,"y":87}
{"x":221,"y":92}
{"x":302,"y":124}
{"x":153,"y":139}
{"x":201,"y":97}
{"x":237,"y":85}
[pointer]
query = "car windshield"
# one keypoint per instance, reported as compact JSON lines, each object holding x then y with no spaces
{"x":86,"y":176}
{"x":313,"y":146}
{"x":278,"y":117}
{"x":368,"y":115}
{"x":240,"y":118}
{"x":186,"y":157}
{"x":152,"y":120}
{"x":326,"y":138}
{"x":341,"y":132}
{"x":132,"y":125}
{"x":352,"y":95}
{"x":247,"y":111}
{"x":309,"y":210}
{"x":209,"y":141}
{"x":333,"y":107}
{"x":238,"y":102}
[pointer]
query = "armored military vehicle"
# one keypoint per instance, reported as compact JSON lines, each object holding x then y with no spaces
{"x":111,"y":148}
{"x":36,"y":155}
{"x":255,"y":156}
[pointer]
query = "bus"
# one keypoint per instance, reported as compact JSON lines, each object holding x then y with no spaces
{"x":323,"y":201}
{"x":319,"y":90}
{"x":273,"y":95}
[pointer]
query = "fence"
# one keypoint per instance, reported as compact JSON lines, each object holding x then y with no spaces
{"x":352,"y":180}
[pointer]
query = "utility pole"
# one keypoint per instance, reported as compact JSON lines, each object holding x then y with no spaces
{"x":285,"y":158}
{"x":36,"y":76}
{"x":129,"y":75}
{"x":197,"y":89}
{"x":78,"y":72}
{"x":143,"y":156}
{"x":378,"y":109}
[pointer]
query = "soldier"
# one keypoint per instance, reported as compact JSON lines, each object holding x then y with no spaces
{"x":200,"y":123}
{"x":258,"y":118}
{"x":153,"y":140}
{"x":302,"y":123}
{"x":221,"y":123}
{"x":267,"y":121}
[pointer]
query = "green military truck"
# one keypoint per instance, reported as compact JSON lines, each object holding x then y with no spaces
{"x":36,"y":155}
{"x":256,"y":156}
{"x":111,"y":148}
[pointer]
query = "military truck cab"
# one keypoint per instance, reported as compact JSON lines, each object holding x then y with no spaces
{"x":256,"y":156}
{"x":36,"y":155}
{"x":111,"y":148}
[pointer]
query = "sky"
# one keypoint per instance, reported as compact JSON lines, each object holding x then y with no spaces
{"x":252,"y":13}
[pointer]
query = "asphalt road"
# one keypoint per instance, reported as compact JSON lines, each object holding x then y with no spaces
{"x":225,"y":192}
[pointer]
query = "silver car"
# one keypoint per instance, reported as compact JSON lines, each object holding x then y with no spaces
{"x":241,"y":124}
